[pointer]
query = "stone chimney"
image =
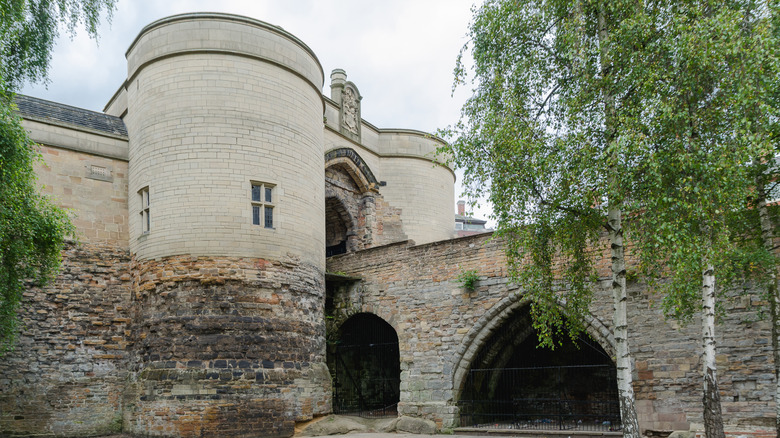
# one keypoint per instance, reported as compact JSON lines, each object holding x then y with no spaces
{"x":462,"y":208}
{"x":338,"y":78}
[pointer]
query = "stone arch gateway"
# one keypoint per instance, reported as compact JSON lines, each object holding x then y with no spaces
{"x":499,"y":315}
{"x":512,"y":383}
{"x":177,"y":313}
{"x":365,"y":366}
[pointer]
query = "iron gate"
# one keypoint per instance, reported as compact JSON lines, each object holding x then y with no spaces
{"x":579,"y":397}
{"x":366,"y":379}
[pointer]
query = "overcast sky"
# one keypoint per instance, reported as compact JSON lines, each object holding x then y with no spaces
{"x":399,"y":53}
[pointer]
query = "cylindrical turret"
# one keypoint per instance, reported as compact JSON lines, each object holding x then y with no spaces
{"x":227,"y":206}
{"x":216,"y":104}
{"x":424,"y":191}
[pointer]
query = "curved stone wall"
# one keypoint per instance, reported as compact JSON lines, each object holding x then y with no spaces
{"x":229,"y":328}
{"x":422,"y":189}
{"x":227,"y":347}
{"x":216,"y":102}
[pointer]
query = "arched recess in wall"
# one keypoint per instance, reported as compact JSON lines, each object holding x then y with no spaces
{"x":349,"y":188}
{"x":353,"y":164}
{"x":503,"y":378}
{"x":340,"y":224}
{"x":364,"y":362}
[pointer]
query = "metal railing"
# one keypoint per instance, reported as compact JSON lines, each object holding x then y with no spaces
{"x":363,"y":383}
{"x":580,"y":398}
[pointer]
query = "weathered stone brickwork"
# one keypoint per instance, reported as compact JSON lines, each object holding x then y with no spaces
{"x":227,"y":347}
{"x":68,"y":371}
{"x":98,"y":201}
{"x":204,"y":322}
{"x":441,"y":326}
{"x":358,"y":216}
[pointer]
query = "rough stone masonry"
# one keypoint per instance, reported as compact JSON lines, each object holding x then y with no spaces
{"x":192,"y":301}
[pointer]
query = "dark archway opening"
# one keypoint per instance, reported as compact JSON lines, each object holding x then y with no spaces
{"x":337,"y":227}
{"x":514,"y":384}
{"x":364,"y":362}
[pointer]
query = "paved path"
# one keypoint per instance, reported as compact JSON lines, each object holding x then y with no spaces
{"x":395,"y":435}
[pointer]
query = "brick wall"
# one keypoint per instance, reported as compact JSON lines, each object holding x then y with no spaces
{"x":98,"y":203}
{"x":68,"y":371}
{"x":227,"y":347}
{"x":440,"y":327}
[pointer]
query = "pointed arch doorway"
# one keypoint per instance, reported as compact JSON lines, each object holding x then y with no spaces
{"x":512,"y":384}
{"x":364,"y":362}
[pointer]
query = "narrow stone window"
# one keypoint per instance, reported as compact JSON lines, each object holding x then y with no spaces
{"x":263,"y":204}
{"x":146,"y":222}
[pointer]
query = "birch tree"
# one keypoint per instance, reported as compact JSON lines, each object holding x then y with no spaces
{"x":585,"y":111}
{"x":694,"y":177}
{"x":554,"y":84}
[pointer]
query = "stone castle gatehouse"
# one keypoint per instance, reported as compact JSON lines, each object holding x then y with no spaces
{"x":237,"y":229}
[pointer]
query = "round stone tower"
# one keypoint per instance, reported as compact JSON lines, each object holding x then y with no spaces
{"x":227,"y":228}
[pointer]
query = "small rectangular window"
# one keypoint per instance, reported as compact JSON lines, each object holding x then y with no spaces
{"x":100,"y":173}
{"x":269,"y":217}
{"x":262,"y":204}
{"x":256,"y":215}
{"x":256,"y":191}
{"x":146,"y":221}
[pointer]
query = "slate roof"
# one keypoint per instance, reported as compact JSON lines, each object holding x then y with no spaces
{"x":45,"y":110}
{"x":469,"y":220}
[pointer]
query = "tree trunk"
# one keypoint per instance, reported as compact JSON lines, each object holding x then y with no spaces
{"x":713,"y":418}
{"x":615,"y":228}
{"x":620,"y":327}
{"x":767,"y":235}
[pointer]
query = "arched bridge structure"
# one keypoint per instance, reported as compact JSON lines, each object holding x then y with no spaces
{"x":469,"y":357}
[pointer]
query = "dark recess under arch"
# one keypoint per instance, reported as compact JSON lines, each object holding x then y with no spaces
{"x":513,"y":384}
{"x":339,"y":226}
{"x":364,"y":362}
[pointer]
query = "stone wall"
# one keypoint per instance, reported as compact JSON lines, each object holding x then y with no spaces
{"x":423,"y":190}
{"x":361,"y":217}
{"x":184,"y":346}
{"x":97,"y":201}
{"x":227,"y":347}
{"x":204,"y":344}
{"x":68,"y":371}
{"x":441,"y":326}
{"x":404,"y":161}
{"x":217,"y":102}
